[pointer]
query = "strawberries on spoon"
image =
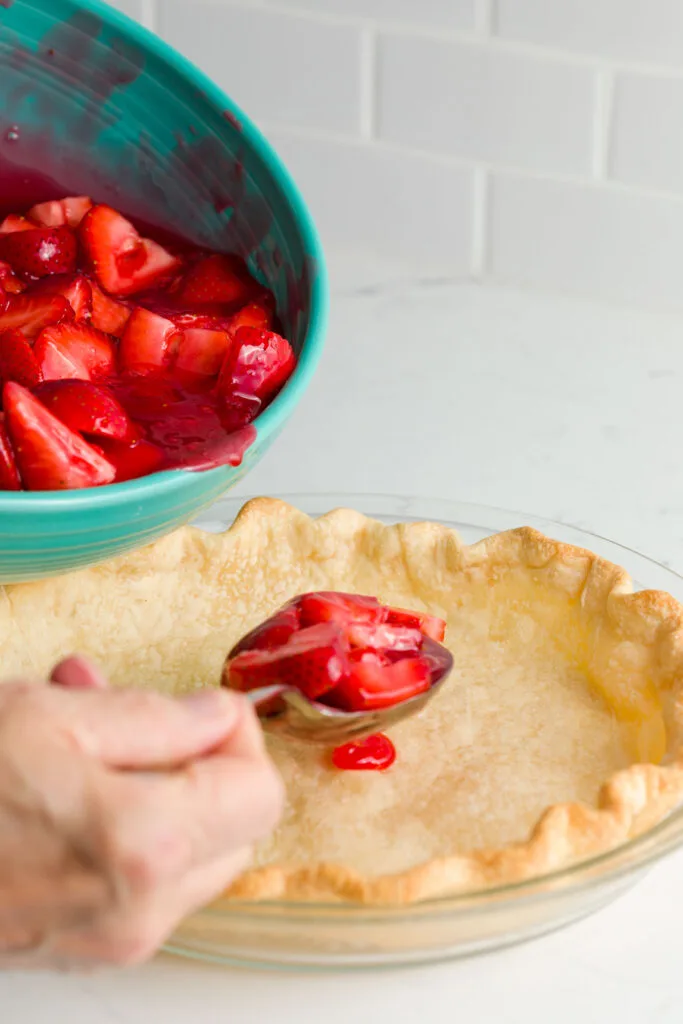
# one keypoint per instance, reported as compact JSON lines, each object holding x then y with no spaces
{"x":313,"y":660}
{"x":340,"y":652}
{"x":50,"y":457}
{"x":429,"y":624}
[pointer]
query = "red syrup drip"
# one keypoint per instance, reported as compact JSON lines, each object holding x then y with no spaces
{"x":374,"y":754}
{"x":193,"y":427}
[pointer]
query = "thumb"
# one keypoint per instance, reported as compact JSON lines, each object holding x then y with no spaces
{"x":144,"y":730}
{"x":77,"y":673}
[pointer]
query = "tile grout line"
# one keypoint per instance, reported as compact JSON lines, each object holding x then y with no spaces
{"x":602,"y":123}
{"x":296,"y":132}
{"x":483,"y":17}
{"x":546,"y":52}
{"x":148,"y":14}
{"x":368,"y":83}
{"x":480,"y":211}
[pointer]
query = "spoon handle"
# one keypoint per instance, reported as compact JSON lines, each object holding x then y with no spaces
{"x":261,"y":697}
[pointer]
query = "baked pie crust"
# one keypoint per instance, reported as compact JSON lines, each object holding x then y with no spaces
{"x":558,"y":736}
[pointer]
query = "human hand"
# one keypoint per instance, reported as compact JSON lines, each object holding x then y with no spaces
{"x":120,"y":813}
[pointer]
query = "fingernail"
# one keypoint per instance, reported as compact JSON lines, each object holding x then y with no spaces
{"x":206,"y":703}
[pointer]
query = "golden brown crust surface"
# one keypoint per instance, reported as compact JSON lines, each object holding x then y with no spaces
{"x":528,"y":608}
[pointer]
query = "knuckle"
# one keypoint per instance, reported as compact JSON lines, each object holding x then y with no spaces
{"x":137,"y":868}
{"x":137,"y":945}
{"x":145,"y":851}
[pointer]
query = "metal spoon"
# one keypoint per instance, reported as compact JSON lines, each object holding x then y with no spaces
{"x":304,"y":719}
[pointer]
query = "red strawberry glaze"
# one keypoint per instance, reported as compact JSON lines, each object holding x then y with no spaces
{"x":183,"y":338}
{"x":185,"y":419}
{"x":375,"y":753}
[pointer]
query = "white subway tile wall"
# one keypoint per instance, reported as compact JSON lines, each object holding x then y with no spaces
{"x":133,"y":8}
{"x":530,"y":141}
{"x":367,"y":202}
{"x":485,"y":104}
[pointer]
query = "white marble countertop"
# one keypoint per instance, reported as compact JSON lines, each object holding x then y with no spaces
{"x":560,"y":408}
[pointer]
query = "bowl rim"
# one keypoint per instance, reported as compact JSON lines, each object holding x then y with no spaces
{"x":269,"y":422}
{"x":592,"y":873}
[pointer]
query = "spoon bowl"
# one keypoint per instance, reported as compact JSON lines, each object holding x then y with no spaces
{"x":299,"y":718}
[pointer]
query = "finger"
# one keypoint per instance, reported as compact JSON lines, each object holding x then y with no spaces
{"x":132,"y":933}
{"x":134,"y":729}
{"x":246,"y":740}
{"x":78,"y":673}
{"x":162,"y":826}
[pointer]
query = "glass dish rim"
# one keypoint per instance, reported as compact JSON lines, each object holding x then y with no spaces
{"x":635,"y":855}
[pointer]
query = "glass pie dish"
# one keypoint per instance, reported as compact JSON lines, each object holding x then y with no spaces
{"x":304,"y":935}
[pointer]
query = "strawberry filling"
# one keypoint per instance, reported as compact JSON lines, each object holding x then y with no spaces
{"x":344,"y":651}
{"x":138,"y":356}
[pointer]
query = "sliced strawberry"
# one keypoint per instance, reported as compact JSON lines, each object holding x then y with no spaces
{"x":260,"y":315}
{"x":342,"y":609}
{"x":9,"y":282}
{"x":50,"y":457}
{"x":17,"y":360}
{"x":86,"y":408}
{"x":202,"y":351}
{"x":108,"y":315}
{"x":48,"y":215}
{"x":238,"y":411}
{"x":217,"y":279}
{"x":384,"y":637}
{"x":76,"y":290}
{"x":75,"y":208}
{"x":258,"y":363}
{"x":123,"y":262}
{"x":75,"y":351}
{"x":9,"y":474}
{"x":32,"y":313}
{"x":55,"y":214}
{"x":149,"y":342}
{"x":313,"y":660}
{"x":13,"y":223}
{"x":430,"y":625}
{"x":139,"y":458}
{"x":273,"y":633}
{"x":375,"y":682}
{"x":40,"y":252}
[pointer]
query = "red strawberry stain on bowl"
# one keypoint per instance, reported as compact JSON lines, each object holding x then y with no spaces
{"x":345,"y":651}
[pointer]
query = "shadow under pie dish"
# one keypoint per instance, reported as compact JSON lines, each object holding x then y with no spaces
{"x":555,"y":740}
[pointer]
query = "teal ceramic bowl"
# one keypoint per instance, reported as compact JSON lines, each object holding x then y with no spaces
{"x":90,"y":102}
